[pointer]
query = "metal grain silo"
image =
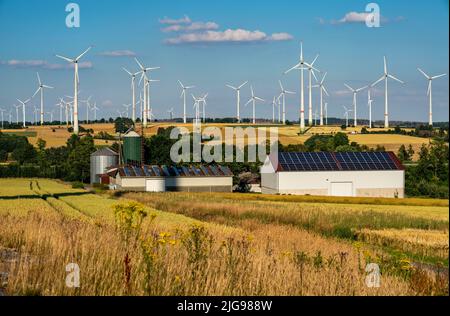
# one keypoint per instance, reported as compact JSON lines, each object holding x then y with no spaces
{"x":100,"y":161}
{"x":132,"y":148}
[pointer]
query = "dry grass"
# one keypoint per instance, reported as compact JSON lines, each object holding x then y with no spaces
{"x":194,"y":244}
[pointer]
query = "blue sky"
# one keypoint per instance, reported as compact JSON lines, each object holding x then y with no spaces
{"x":198,"y":50}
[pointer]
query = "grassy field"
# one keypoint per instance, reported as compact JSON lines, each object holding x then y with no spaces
{"x":217,"y":244}
{"x":57,"y":136}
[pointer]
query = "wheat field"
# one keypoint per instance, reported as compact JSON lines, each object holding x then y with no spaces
{"x":213,"y":244}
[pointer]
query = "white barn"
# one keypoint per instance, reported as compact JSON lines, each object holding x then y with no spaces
{"x":363,"y":174}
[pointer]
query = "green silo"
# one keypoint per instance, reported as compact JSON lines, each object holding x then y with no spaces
{"x":132,"y":148}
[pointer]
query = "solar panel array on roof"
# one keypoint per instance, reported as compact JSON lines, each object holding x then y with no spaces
{"x":307,"y":161}
{"x":366,"y":161}
{"x":328,"y":161}
{"x":174,"y":171}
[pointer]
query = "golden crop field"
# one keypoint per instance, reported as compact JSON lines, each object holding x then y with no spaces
{"x":216,"y":244}
{"x":57,"y":136}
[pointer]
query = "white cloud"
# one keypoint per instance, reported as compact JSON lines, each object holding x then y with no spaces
{"x":236,"y":36}
{"x":43,"y":64}
{"x":355,"y":17}
{"x":118,"y":53}
{"x":107,"y":103}
{"x":183,"y":20}
{"x":194,"y":26}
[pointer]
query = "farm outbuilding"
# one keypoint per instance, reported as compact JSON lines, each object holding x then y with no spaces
{"x":101,"y":160}
{"x":363,"y":174}
{"x":154,"y":178}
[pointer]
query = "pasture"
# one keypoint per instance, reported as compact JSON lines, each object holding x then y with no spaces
{"x":217,"y":244}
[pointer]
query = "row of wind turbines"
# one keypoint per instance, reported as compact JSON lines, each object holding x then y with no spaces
{"x":146,"y":111}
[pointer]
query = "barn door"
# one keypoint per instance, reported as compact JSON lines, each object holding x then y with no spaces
{"x":341,"y":189}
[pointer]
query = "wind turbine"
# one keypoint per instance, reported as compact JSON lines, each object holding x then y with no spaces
{"x":23,"y":109}
{"x":197,"y":109}
{"x":133,"y":92}
{"x":127,"y":108}
{"x":35,"y":111}
{"x":310,"y":74}
{"x":144,"y":71}
{"x":10,"y":116}
{"x":170,"y":111}
{"x":2,"y":111}
{"x":17,"y":113}
{"x":369,"y":104}
{"x":41,"y":88}
{"x":274,"y":104}
{"x":183,"y":95}
{"x":346,"y":115}
{"x":385,"y":77}
{"x":88,"y":105}
{"x":253,"y":99}
{"x":322,"y":90}
{"x":430,"y":93}
{"x":355,"y":91}
{"x":301,"y":65}
{"x":51,"y":116}
{"x":147,"y":82}
{"x":283,"y":95}
{"x":238,"y":99}
{"x":95,"y":109}
{"x":203,"y":100}
{"x":75,"y":93}
{"x":61,"y":105}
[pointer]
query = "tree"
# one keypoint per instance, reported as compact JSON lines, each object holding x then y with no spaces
{"x":403,"y":154}
{"x":78,"y":161}
{"x":340,"y":139}
{"x":122,"y":125}
{"x":410,"y":151}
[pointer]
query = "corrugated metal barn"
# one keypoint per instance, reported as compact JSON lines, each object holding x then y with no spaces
{"x":364,"y":174}
{"x":204,"y":178}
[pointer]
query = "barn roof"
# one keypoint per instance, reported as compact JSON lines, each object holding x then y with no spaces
{"x":106,"y":151}
{"x":172,"y":171}
{"x":338,"y":161}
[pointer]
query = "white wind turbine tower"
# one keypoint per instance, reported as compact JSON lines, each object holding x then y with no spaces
{"x":17,"y":113}
{"x":238,"y":99}
{"x":35,"y":112}
{"x":95,"y":109}
{"x":183,"y":95}
{"x":346,"y":115}
{"x":147,"y":82}
{"x":326,"y":113}
{"x":143,"y":71}
{"x":133,"y":93}
{"x":2,"y":111}
{"x":61,"y":105}
{"x":253,"y":99}
{"x":23,"y":109}
{"x":301,"y":65}
{"x":430,"y":93}
{"x":279,"y":109}
{"x":127,"y":109}
{"x":197,"y":109}
{"x":51,"y":116}
{"x":385,"y":77}
{"x":310,"y":74}
{"x":10,"y":116}
{"x":355,"y":91}
{"x":274,"y":104}
{"x":203,"y":100}
{"x":283,"y":96}
{"x":41,"y":88}
{"x":369,"y":103}
{"x":322,"y":90}
{"x":75,"y":93}
{"x":170,"y":111}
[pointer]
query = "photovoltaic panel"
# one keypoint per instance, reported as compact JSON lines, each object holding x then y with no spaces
{"x":138,"y":171}
{"x":127,"y":171}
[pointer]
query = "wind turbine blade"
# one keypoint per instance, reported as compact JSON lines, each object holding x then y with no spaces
{"x":325,"y":90}
{"x":362,"y":88}
{"x":248,"y":102}
{"x":36,"y":92}
{"x":385,"y":65}
{"x":423,"y":73}
{"x":290,"y":69}
{"x":350,"y":88}
{"x":140,"y":65}
{"x":392,"y":77}
{"x":82,"y":54}
{"x":182,"y":93}
{"x":317,"y":56}
{"x":152,"y":68}
{"x":242,"y":84}
{"x":190,"y":87}
{"x":289,"y":92}
{"x":323,"y":78}
{"x":127,"y":71}
{"x":65,"y":58}
{"x":234,"y":88}
{"x":429,"y":87}
{"x":259,"y":99}
{"x":376,"y":82}
{"x":48,"y":87}
{"x":251,"y":89}
{"x":314,"y":75}
{"x":281,"y":86}
{"x":438,"y":76}
{"x":39,"y":78}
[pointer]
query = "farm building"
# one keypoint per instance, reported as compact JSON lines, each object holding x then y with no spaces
{"x":364,"y":174}
{"x":211,"y":178}
{"x":101,"y":160}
